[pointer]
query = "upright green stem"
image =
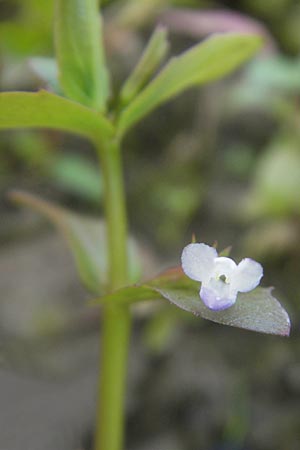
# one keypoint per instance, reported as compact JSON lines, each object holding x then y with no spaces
{"x":115,"y":211}
{"x":116,"y":320}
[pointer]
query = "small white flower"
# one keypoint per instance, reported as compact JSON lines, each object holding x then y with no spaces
{"x":221,"y":277}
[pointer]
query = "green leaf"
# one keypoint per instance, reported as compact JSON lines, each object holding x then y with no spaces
{"x":226,"y":251}
{"x":80,"y":54}
{"x":45,"y":110}
{"x":86,"y":238}
{"x":210,"y":60}
{"x":257,"y":310}
{"x":152,"y":56}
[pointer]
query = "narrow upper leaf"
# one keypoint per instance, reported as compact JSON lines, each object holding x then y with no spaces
{"x":210,"y":60}
{"x":80,"y":54}
{"x":45,"y":110}
{"x":257,"y":310}
{"x":151,"y":58}
{"x":86,"y":238}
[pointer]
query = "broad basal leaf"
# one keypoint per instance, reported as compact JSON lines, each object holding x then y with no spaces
{"x":257,"y":310}
{"x":216,"y":57}
{"x":86,"y":238}
{"x":45,"y":110}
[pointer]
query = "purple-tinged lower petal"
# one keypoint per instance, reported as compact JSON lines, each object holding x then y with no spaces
{"x":215,"y":302}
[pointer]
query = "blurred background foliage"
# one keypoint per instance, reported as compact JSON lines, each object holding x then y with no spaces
{"x":222,"y":162}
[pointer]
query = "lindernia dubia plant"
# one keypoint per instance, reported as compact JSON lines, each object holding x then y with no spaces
{"x":102,"y":250}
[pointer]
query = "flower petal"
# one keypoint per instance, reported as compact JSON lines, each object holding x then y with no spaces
{"x":217,"y":295}
{"x":224,"y":266}
{"x":198,"y":261}
{"x":247,"y":275}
